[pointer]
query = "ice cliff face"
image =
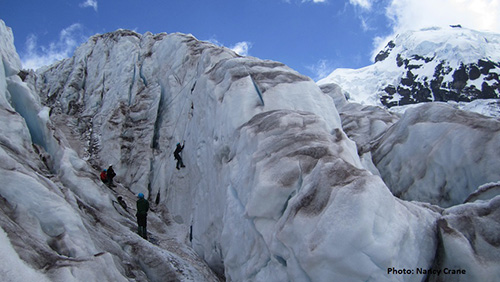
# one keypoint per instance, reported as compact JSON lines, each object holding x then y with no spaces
{"x":465,"y":150}
{"x":273,"y":189}
{"x":59,"y":223}
{"x":434,"y":64}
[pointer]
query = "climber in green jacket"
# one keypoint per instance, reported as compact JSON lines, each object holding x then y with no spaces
{"x":142,"y":215}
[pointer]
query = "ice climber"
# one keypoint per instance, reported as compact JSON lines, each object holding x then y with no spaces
{"x":177,"y":155}
{"x":104,"y":176}
{"x":142,"y":215}
{"x":110,"y":175}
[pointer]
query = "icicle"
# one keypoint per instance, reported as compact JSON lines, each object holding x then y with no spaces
{"x":258,"y":91}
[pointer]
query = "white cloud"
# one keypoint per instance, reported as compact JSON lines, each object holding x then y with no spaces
{"x":321,"y":69}
{"x":366,"y":12}
{"x":241,"y":48}
{"x":36,"y":56}
{"x":365,"y":4}
{"x":474,"y":14}
{"x":214,"y":41}
{"x":365,"y":24}
{"x":89,"y":3}
{"x":305,"y":1}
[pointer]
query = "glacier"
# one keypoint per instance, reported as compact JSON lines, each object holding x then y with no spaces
{"x":279,"y":185}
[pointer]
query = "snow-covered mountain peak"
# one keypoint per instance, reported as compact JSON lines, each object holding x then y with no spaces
{"x":433,"y":64}
{"x":452,"y":44}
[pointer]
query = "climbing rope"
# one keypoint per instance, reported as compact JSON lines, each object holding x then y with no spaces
{"x":184,"y":104}
{"x":169,"y":183}
{"x":179,"y":117}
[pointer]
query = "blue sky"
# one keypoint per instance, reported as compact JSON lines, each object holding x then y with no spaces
{"x":311,"y":36}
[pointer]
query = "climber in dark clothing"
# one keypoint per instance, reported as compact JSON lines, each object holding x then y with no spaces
{"x":110,"y":175}
{"x":177,"y":155}
{"x":142,"y":215}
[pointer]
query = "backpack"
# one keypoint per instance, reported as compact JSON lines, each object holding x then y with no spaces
{"x":104,"y":175}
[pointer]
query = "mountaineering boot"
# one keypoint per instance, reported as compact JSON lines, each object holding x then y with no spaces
{"x":143,"y":232}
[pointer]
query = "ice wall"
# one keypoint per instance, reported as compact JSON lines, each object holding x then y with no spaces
{"x":439,"y":154}
{"x":275,"y":174}
{"x":307,"y":212}
{"x":128,"y":99}
{"x":468,"y":237}
{"x":58,"y":222}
